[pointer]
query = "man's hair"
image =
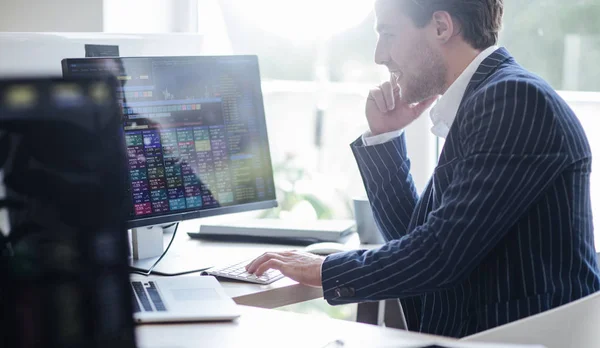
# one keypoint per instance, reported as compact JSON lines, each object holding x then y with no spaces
{"x":480,"y":21}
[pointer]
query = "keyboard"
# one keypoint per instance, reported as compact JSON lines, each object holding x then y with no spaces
{"x":148,"y":296}
{"x":238,"y":272}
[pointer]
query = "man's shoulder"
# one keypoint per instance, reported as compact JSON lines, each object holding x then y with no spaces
{"x":511,"y":87}
{"x":513,"y":95}
{"x":513,"y":80}
{"x":512,"y":83}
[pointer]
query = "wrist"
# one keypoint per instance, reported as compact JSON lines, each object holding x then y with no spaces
{"x":370,"y":140}
{"x":373,"y":132}
{"x":376,"y":132}
{"x":319,"y":276}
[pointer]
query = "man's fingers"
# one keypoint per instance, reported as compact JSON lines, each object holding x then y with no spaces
{"x":271,"y":264}
{"x":376,"y":95}
{"x":251,"y":268}
{"x":254,"y":265}
{"x":388,"y":96}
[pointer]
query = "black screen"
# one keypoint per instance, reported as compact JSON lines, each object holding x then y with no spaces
{"x":195,"y":133}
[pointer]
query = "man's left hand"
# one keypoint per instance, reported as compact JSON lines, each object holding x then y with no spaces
{"x":302,"y":267}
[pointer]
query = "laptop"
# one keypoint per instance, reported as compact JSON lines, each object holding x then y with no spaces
{"x":181,"y":299}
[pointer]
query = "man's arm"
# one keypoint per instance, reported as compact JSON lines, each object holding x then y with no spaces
{"x":382,"y":158}
{"x":512,"y":151}
{"x":385,"y":170}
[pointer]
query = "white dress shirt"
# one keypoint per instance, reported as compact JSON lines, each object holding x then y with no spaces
{"x":444,"y":112}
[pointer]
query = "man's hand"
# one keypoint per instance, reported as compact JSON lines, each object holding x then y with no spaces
{"x":387,"y":112}
{"x":302,"y":267}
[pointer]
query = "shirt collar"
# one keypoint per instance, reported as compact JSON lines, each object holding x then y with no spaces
{"x":444,"y":112}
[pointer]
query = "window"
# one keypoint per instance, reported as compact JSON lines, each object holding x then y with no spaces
{"x":315,"y":91}
{"x":312,"y":122}
{"x":315,"y":85}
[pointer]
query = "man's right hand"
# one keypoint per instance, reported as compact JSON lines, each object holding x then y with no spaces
{"x":387,"y":112}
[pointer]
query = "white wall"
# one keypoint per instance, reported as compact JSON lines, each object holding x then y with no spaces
{"x":151,"y":16}
{"x":138,"y":16}
{"x":51,"y":15}
{"x":170,"y":16}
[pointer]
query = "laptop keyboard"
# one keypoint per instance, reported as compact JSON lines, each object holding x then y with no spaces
{"x":238,"y":272}
{"x":148,"y":296}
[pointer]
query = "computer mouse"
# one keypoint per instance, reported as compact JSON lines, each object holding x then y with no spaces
{"x":326,"y":248}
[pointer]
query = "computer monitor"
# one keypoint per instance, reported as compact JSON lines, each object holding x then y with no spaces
{"x":195,"y":133}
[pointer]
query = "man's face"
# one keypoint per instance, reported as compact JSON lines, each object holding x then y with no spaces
{"x":409,"y":52}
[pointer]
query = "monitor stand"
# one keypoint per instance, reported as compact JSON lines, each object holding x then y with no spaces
{"x":148,"y":244}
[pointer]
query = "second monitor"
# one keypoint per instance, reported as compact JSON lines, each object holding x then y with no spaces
{"x":195,"y":133}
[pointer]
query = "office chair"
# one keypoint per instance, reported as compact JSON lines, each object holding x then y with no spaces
{"x":573,"y":325}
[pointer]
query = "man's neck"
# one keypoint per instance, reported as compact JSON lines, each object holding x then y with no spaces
{"x":459,"y":58}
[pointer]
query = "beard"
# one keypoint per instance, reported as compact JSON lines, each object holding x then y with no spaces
{"x":427,"y":79}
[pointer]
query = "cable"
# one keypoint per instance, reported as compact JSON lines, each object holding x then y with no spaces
{"x":163,"y":254}
{"x":169,"y":225}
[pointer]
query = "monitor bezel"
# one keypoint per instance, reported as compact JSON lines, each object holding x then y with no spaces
{"x":197,"y":214}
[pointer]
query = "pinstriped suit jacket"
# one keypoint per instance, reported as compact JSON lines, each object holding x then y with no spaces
{"x":503,"y":229}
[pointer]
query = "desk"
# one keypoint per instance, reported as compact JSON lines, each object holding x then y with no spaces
{"x":280,"y":293}
{"x":268,"y":328}
{"x":203,"y":252}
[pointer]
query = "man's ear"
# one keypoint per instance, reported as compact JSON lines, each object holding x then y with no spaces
{"x":444,"y":25}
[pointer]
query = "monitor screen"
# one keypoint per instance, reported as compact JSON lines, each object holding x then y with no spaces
{"x":195,"y":133}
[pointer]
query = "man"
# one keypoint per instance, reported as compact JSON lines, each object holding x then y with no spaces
{"x":504,"y":228}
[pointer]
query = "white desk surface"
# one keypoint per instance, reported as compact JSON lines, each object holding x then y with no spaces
{"x":272,"y":328}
